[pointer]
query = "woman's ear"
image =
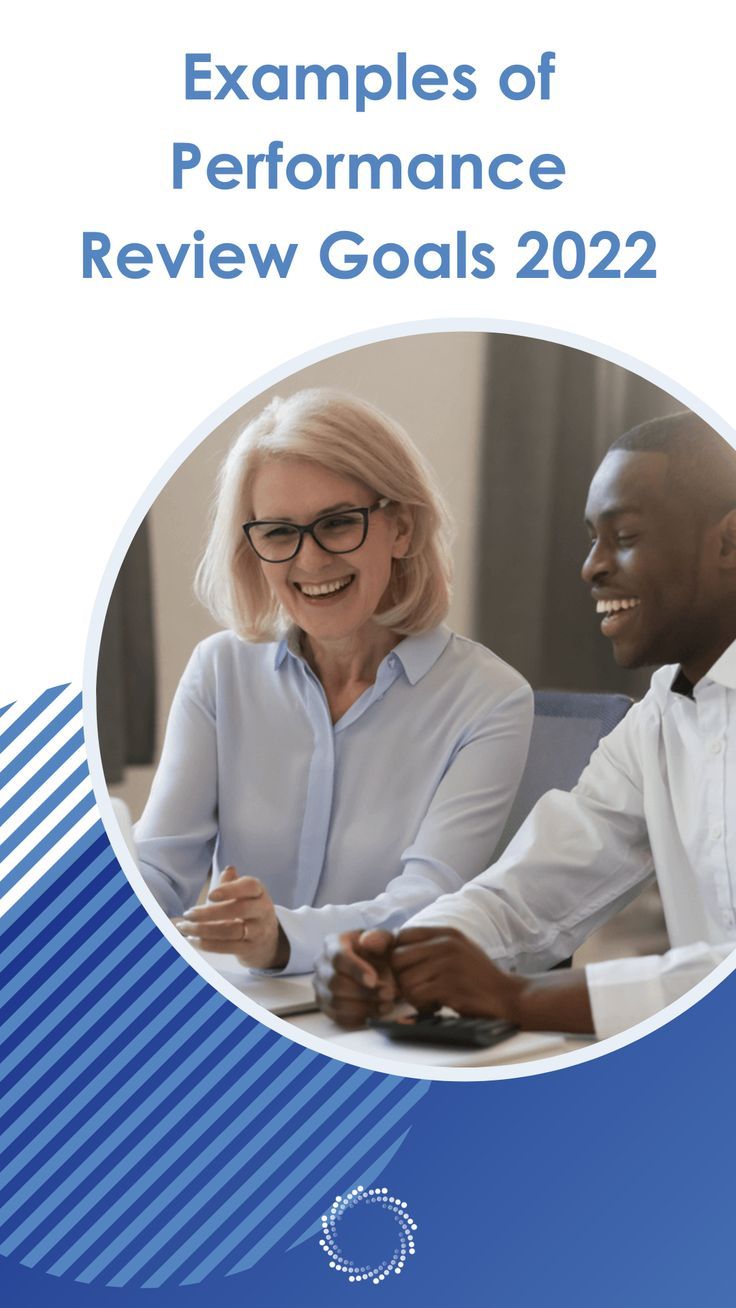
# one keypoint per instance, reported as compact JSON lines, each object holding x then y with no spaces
{"x":403,"y":524}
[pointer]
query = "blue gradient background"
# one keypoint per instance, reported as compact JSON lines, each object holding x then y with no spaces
{"x":602,"y":1183}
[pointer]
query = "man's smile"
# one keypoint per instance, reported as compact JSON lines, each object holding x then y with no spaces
{"x":616,"y":614}
{"x":615,"y":605}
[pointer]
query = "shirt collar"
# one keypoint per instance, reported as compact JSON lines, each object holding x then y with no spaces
{"x":724,"y":668}
{"x":289,"y":644}
{"x":416,"y":654}
{"x":723,"y":672}
{"x":682,"y":685}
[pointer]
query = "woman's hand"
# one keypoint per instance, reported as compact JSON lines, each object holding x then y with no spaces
{"x":239,"y":918}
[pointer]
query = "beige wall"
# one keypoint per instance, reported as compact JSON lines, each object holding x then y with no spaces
{"x":432,"y":384}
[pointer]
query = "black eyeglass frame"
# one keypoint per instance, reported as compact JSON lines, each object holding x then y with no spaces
{"x":309,"y":529}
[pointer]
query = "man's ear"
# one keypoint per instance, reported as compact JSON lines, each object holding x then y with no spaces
{"x":727,"y":530}
{"x":403,"y":516}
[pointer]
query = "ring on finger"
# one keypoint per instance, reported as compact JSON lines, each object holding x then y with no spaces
{"x":244,"y":929}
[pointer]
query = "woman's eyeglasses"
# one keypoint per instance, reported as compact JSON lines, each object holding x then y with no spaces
{"x":275,"y":541}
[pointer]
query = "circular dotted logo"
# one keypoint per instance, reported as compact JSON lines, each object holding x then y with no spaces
{"x":404,"y":1247}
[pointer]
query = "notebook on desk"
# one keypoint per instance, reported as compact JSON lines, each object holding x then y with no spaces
{"x":282,"y":995}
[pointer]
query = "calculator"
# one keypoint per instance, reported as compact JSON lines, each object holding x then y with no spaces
{"x":441,"y":1029}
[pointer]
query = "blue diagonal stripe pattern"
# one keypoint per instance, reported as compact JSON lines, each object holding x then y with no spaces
{"x":43,"y":774}
{"x":46,"y":798}
{"x":119,"y":1064}
{"x":365,"y":1177}
{"x":28,"y":716}
{"x":24,"y":727}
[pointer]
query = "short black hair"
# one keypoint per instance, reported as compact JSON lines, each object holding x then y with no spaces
{"x":703,"y":464}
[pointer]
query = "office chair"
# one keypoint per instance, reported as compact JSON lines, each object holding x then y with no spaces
{"x":567,"y":728}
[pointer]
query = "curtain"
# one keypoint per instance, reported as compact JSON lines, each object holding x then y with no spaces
{"x":126,"y":673}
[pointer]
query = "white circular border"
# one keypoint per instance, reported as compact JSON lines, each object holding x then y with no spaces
{"x":391,"y":1067}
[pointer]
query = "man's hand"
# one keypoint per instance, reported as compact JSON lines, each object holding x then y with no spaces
{"x":353,"y":979}
{"x":239,"y":918}
{"x":439,"y":967}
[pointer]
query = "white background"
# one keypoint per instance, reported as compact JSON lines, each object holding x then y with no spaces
{"x":106,"y":379}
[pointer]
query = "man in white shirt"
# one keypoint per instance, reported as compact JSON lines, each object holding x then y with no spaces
{"x":658,"y":797}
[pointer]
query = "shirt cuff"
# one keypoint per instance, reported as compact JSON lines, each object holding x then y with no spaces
{"x":625,"y":991}
{"x":475,"y":926}
{"x":304,"y":944}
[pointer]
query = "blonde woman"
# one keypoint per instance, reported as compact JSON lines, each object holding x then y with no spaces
{"x":336,"y":757}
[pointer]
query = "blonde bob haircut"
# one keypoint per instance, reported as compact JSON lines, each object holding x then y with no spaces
{"x":349,"y":437}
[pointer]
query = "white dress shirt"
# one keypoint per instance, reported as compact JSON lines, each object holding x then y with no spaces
{"x":658,"y":797}
{"x":349,"y":824}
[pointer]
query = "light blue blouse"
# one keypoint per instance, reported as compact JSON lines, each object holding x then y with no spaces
{"x":356,"y":823}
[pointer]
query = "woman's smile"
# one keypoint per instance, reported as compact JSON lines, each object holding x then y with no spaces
{"x":323,"y":590}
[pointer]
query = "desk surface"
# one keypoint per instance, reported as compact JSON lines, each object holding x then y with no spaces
{"x":524,"y":1047}
{"x":290,"y":996}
